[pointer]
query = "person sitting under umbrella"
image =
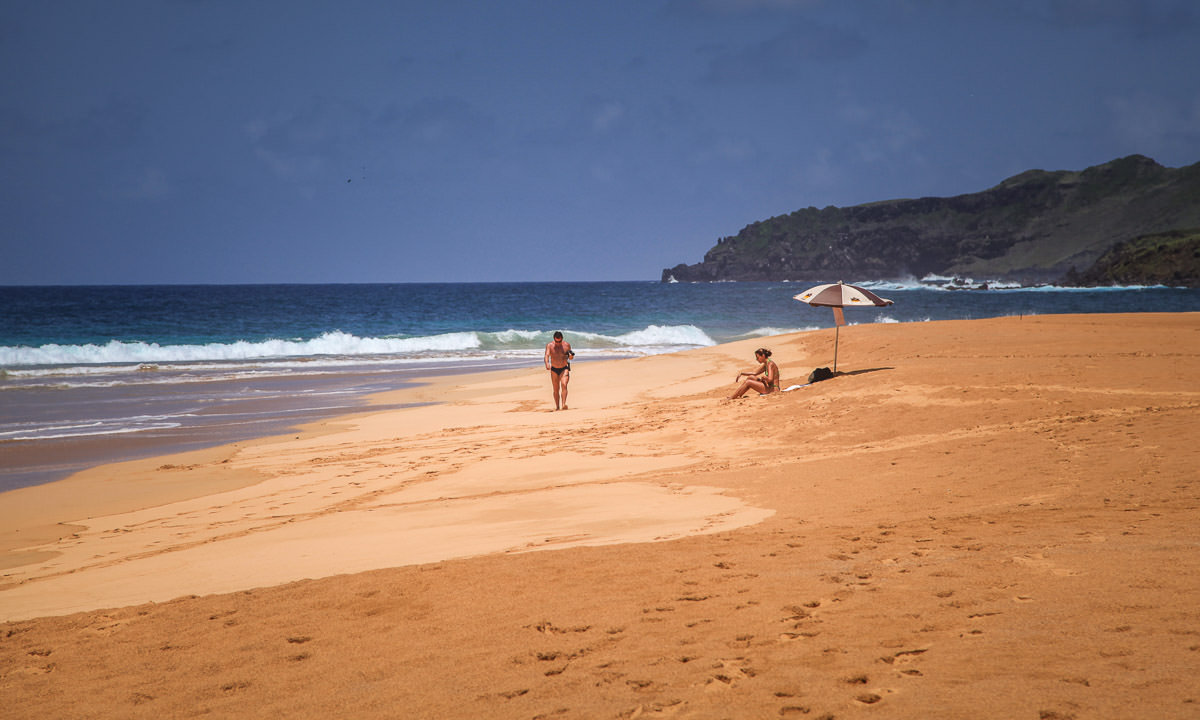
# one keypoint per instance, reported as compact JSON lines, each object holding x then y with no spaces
{"x":764,"y":378}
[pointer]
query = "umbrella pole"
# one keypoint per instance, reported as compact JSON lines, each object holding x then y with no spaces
{"x":836,"y":330}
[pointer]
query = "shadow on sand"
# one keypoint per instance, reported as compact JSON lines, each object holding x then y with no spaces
{"x":862,"y":372}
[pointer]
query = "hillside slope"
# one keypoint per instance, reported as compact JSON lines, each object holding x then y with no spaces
{"x":1032,"y":227}
{"x":1170,"y":258}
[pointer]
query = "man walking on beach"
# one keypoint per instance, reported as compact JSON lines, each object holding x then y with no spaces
{"x":558,"y":362}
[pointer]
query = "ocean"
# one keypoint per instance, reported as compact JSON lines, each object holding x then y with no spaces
{"x":101,"y":374}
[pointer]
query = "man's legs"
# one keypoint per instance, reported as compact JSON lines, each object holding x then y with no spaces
{"x":555,"y":381}
{"x":564,"y":379}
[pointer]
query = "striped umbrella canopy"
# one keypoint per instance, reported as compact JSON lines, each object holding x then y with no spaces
{"x":840,"y":294}
{"x":837,"y":296}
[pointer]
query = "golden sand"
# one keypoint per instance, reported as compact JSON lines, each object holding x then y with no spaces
{"x":979,"y":519}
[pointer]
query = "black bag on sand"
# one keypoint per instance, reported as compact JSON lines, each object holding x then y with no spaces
{"x":820,"y":374}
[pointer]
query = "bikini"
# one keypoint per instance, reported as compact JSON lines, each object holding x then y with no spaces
{"x":559,"y":371}
{"x":766,"y":378}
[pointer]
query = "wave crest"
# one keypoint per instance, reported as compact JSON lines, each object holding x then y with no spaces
{"x":650,"y":340}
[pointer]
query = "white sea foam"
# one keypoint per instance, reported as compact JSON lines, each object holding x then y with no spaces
{"x":1108,"y":288}
{"x":952,"y":283}
{"x":772,"y":331}
{"x":331,"y":349}
{"x":942,"y":282}
{"x":121,"y":426}
{"x":664,"y":335}
{"x":884,"y":285}
{"x":946,"y":282}
{"x":335,"y":343}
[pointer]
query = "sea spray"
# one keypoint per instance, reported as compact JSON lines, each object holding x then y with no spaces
{"x":653,"y":339}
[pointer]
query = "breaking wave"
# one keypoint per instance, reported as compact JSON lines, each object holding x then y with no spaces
{"x":958,"y":282}
{"x":337,"y":345}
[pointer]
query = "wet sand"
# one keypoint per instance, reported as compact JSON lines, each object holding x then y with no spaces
{"x":986,"y":519}
{"x":169,"y":418}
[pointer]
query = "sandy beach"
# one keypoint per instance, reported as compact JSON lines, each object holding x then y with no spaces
{"x":977,"y":519}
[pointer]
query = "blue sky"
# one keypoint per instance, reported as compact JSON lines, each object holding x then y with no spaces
{"x":223,"y":141}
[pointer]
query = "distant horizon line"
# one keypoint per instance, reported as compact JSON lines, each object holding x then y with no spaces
{"x":295,"y":283}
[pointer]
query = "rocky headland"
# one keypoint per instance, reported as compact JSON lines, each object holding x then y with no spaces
{"x":1035,"y":227}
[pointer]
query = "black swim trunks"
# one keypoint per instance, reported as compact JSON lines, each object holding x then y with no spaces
{"x":559,"y":371}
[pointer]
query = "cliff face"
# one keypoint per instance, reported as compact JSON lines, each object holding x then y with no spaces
{"x":1032,"y":227}
{"x":1170,"y":258}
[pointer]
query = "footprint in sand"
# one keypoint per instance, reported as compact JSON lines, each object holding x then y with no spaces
{"x":1040,"y":562}
{"x":801,"y":619}
{"x":551,"y":629}
{"x":797,"y":635}
{"x":729,"y":673}
{"x":902,"y":659}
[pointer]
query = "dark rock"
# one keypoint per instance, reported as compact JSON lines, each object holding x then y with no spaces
{"x":1032,"y":227}
{"x":1170,"y":258}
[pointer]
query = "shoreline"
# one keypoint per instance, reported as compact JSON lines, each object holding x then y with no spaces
{"x":1003,"y":506}
{"x":110,"y":499}
{"x":46,"y":512}
{"x":224,"y":418}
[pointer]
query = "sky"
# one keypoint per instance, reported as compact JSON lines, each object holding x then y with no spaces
{"x":295,"y":141}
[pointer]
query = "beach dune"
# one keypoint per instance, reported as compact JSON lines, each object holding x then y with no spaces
{"x":987,"y":519}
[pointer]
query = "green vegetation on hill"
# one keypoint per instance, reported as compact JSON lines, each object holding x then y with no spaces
{"x":1032,"y":227}
{"x":1170,"y":258}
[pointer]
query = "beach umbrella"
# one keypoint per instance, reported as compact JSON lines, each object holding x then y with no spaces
{"x":837,"y":296}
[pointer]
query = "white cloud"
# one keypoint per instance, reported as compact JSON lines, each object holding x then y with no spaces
{"x":883,"y":132}
{"x":292,"y":167}
{"x":609,"y":114}
{"x":800,"y":50}
{"x":151,"y":185}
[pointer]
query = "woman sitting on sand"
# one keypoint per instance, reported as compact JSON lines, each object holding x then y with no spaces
{"x":764,"y":378}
